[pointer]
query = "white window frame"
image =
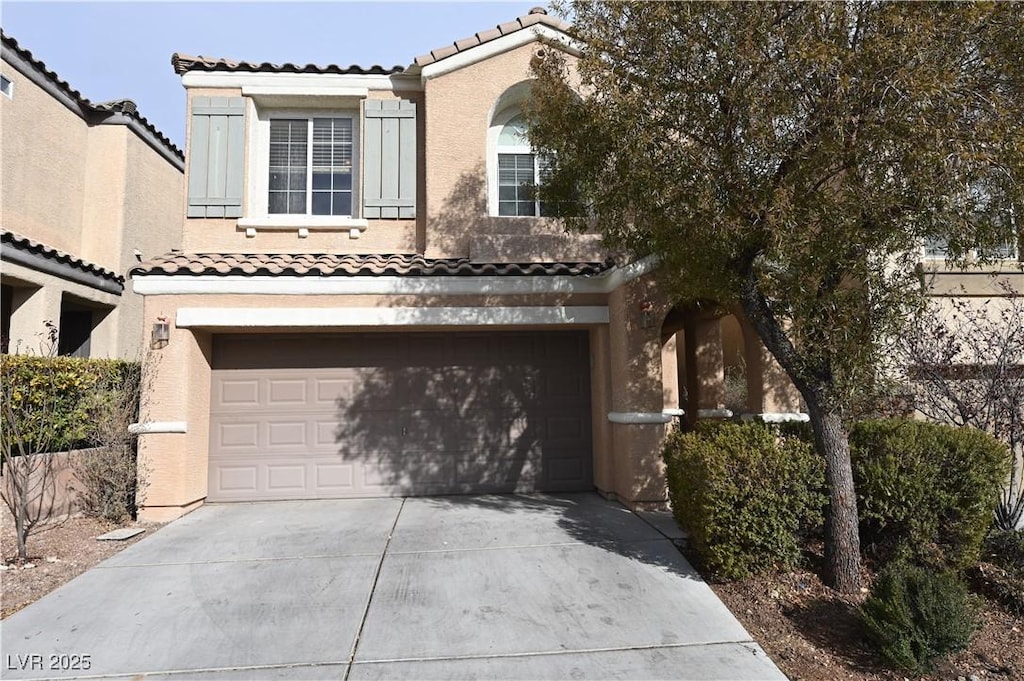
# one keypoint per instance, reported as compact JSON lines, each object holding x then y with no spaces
{"x":6,"y":87}
{"x":257,"y":214}
{"x":939,"y":254}
{"x":493,"y":149}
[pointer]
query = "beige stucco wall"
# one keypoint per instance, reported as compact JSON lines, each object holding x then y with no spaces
{"x":96,"y":192}
{"x":43,"y":163}
{"x":173,"y":466}
{"x":459,"y":110}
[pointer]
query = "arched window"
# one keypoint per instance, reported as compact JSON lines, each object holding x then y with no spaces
{"x":519,"y":170}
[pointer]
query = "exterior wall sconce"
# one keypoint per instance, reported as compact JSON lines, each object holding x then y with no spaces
{"x":648,"y":320}
{"x":161,"y":332}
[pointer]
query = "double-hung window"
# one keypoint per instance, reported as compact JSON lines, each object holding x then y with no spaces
{"x":311,"y":166}
{"x":520,"y":170}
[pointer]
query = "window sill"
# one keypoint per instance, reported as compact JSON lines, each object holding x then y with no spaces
{"x":303,"y":224}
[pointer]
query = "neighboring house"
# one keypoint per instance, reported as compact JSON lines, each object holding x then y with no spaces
{"x":369,"y":301}
{"x":86,"y":188}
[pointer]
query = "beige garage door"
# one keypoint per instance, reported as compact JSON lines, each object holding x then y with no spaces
{"x":387,"y":414}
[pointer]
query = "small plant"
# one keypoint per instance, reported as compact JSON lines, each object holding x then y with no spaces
{"x":745,"y":493}
{"x":914,"y":616}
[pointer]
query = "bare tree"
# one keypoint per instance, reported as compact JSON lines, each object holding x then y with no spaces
{"x":108,"y":479}
{"x":964,"y":364}
{"x":29,"y":471}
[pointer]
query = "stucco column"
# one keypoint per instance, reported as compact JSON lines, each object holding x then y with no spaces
{"x":637,"y":392}
{"x":769,"y":389}
{"x":29,"y":309}
{"x":174,"y":444}
{"x":705,"y":365}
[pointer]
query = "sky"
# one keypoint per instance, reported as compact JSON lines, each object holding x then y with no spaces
{"x":122,"y":50}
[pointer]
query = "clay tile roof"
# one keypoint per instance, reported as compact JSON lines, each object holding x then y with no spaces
{"x":319,"y":264}
{"x":537,"y":15}
{"x":23,"y":243}
{"x":122,"y":106}
{"x":183,"y":63}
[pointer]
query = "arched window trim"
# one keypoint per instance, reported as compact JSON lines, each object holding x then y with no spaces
{"x":499,"y":120}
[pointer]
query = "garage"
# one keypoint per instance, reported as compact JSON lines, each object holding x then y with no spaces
{"x":304,"y":416}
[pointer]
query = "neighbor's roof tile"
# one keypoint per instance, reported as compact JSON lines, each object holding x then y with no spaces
{"x":88,"y":108}
{"x":23,"y":243}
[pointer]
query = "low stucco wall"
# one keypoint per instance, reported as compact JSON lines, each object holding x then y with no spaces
{"x":53,"y":485}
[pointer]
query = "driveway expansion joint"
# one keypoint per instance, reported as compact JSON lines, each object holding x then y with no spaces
{"x":233,"y":561}
{"x":200,"y":670}
{"x":564,"y":651}
{"x":373,"y":588}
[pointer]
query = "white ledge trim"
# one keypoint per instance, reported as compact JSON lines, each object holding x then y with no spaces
{"x":243,"y":317}
{"x":290,"y":222}
{"x":388,"y":285}
{"x":638,"y":417}
{"x":778,"y":417}
{"x":336,"y":90}
{"x":674,"y":412}
{"x":158,"y":427}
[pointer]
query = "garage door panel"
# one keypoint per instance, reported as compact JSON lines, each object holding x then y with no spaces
{"x":334,"y":478}
{"x":231,"y":480}
{"x":395,"y":414}
{"x":237,"y":393}
{"x":237,"y":436}
{"x":329,"y":392}
{"x":286,"y":478}
{"x":283,"y":392}
{"x":287,"y":433}
{"x":570,"y":472}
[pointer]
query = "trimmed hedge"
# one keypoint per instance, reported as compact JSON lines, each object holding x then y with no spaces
{"x":744,"y":493}
{"x":925,"y":491}
{"x":51,"y":398}
{"x":915,"y":616}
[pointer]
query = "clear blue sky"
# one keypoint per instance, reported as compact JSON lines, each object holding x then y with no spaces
{"x":115,"y":50}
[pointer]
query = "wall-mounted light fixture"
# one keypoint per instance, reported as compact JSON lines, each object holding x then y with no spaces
{"x":161,"y":332}
{"x":647,"y":317}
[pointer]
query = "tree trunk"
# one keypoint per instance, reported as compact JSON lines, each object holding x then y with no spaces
{"x":842,"y":539}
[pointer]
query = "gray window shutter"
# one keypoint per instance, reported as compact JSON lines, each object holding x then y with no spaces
{"x":389,"y":159}
{"x":216,"y":157}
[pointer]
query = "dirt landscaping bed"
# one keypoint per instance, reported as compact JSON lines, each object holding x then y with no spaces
{"x":813,"y":633}
{"x":57,"y":553}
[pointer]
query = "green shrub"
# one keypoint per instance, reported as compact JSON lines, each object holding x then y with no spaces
{"x":925,"y":491}
{"x":51,"y":398}
{"x":744,"y":493}
{"x":914,"y":616}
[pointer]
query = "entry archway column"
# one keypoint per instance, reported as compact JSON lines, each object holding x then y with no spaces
{"x":638,"y":424}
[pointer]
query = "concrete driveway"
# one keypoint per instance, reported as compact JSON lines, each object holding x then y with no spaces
{"x":482,"y":587}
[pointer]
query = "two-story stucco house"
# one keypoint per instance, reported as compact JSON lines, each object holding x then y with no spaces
{"x":86,"y":187}
{"x":369,"y":300}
